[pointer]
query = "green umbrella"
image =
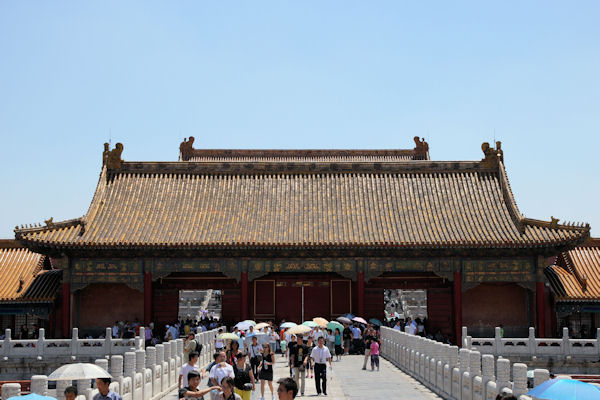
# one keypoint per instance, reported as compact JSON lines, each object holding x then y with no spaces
{"x":310,"y":324}
{"x":333,"y":325}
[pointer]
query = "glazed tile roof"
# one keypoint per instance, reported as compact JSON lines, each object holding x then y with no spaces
{"x":325,"y":204}
{"x":22,"y":278}
{"x":576,"y":275}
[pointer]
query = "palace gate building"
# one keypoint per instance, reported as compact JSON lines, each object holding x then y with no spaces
{"x":296,"y":234}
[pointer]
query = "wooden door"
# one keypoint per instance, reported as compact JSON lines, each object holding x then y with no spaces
{"x":316,"y":300}
{"x":288,"y":301}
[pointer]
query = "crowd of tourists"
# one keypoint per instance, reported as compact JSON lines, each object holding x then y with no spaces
{"x":241,"y":361}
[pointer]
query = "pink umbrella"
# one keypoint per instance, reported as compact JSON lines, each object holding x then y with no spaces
{"x":359,"y":319}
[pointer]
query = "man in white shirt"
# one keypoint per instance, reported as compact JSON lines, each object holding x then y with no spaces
{"x":186,"y":368}
{"x":317,"y":333}
{"x":321,"y":355}
{"x":412,"y":327}
{"x":220,"y":370}
{"x":398,"y":326}
{"x":218,"y":341}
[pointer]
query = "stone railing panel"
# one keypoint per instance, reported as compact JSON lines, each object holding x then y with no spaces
{"x":560,"y":348}
{"x":473,"y":379}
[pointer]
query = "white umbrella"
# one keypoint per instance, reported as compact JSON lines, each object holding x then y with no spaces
{"x":261,"y":338}
{"x":299,"y":330}
{"x":76,"y":371}
{"x":260,"y":326}
{"x":243,"y":326}
{"x":286,"y":325}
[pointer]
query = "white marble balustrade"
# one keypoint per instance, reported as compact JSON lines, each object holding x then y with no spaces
{"x":452,"y":373}
{"x":138,"y":374}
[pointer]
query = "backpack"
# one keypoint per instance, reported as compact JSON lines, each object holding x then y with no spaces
{"x":198,"y":346}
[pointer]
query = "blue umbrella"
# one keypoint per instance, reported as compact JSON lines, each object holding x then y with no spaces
{"x":32,"y":396}
{"x":286,"y":325}
{"x":565,"y":389}
{"x":375,"y":321}
{"x":349,"y":316}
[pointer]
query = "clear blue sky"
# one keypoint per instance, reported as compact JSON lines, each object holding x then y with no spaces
{"x":302,"y":74}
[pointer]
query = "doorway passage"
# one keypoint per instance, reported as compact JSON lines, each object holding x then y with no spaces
{"x":194,"y":304}
{"x":403,"y":304}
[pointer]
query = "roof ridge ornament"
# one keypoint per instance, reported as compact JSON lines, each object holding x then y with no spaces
{"x":186,"y":149}
{"x":112,"y":158}
{"x":421,"y":148}
{"x":493,"y":156}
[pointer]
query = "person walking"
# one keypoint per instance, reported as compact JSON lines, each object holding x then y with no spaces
{"x":220,"y":370}
{"x":299,"y":357}
{"x":356,"y":340}
{"x":228,"y":388}
{"x":330,"y":341}
{"x":338,"y":344}
{"x":70,"y":393}
{"x":244,"y":378}
{"x":369,"y":337}
{"x":266,"y":370}
{"x":310,"y":344}
{"x":374,"y":351}
{"x":321,"y":356}
{"x":255,"y":351}
{"x":287,"y":389}
{"x":191,"y":390}
{"x":189,"y":345}
{"x":231,"y":353}
{"x":347,"y":336}
{"x":219,"y":343}
{"x":104,"y":392}
{"x":187,"y":368}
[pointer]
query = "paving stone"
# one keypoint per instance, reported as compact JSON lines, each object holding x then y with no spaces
{"x":349,"y":382}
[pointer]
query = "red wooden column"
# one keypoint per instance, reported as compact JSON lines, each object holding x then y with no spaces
{"x":360,"y":296}
{"x":244,"y":285}
{"x":147,"y":298}
{"x":66,"y":309}
{"x":457,"y":297}
{"x":540,"y":311}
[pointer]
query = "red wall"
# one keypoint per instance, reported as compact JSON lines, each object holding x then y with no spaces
{"x":490,"y":304}
{"x":101,"y":304}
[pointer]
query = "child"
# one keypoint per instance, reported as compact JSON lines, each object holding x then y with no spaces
{"x":283,"y":345}
{"x":375,"y":354}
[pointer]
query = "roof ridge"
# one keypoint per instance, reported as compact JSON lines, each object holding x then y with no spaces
{"x":509,"y":198}
{"x":553,"y":224}
{"x":50,"y":224}
{"x":187,"y":151}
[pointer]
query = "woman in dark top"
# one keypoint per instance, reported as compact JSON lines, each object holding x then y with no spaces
{"x":338,"y":344}
{"x":231,"y":353}
{"x":244,"y":378}
{"x":266,"y":370}
{"x":309,"y":365}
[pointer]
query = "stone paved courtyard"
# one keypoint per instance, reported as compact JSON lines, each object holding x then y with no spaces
{"x":348,"y":381}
